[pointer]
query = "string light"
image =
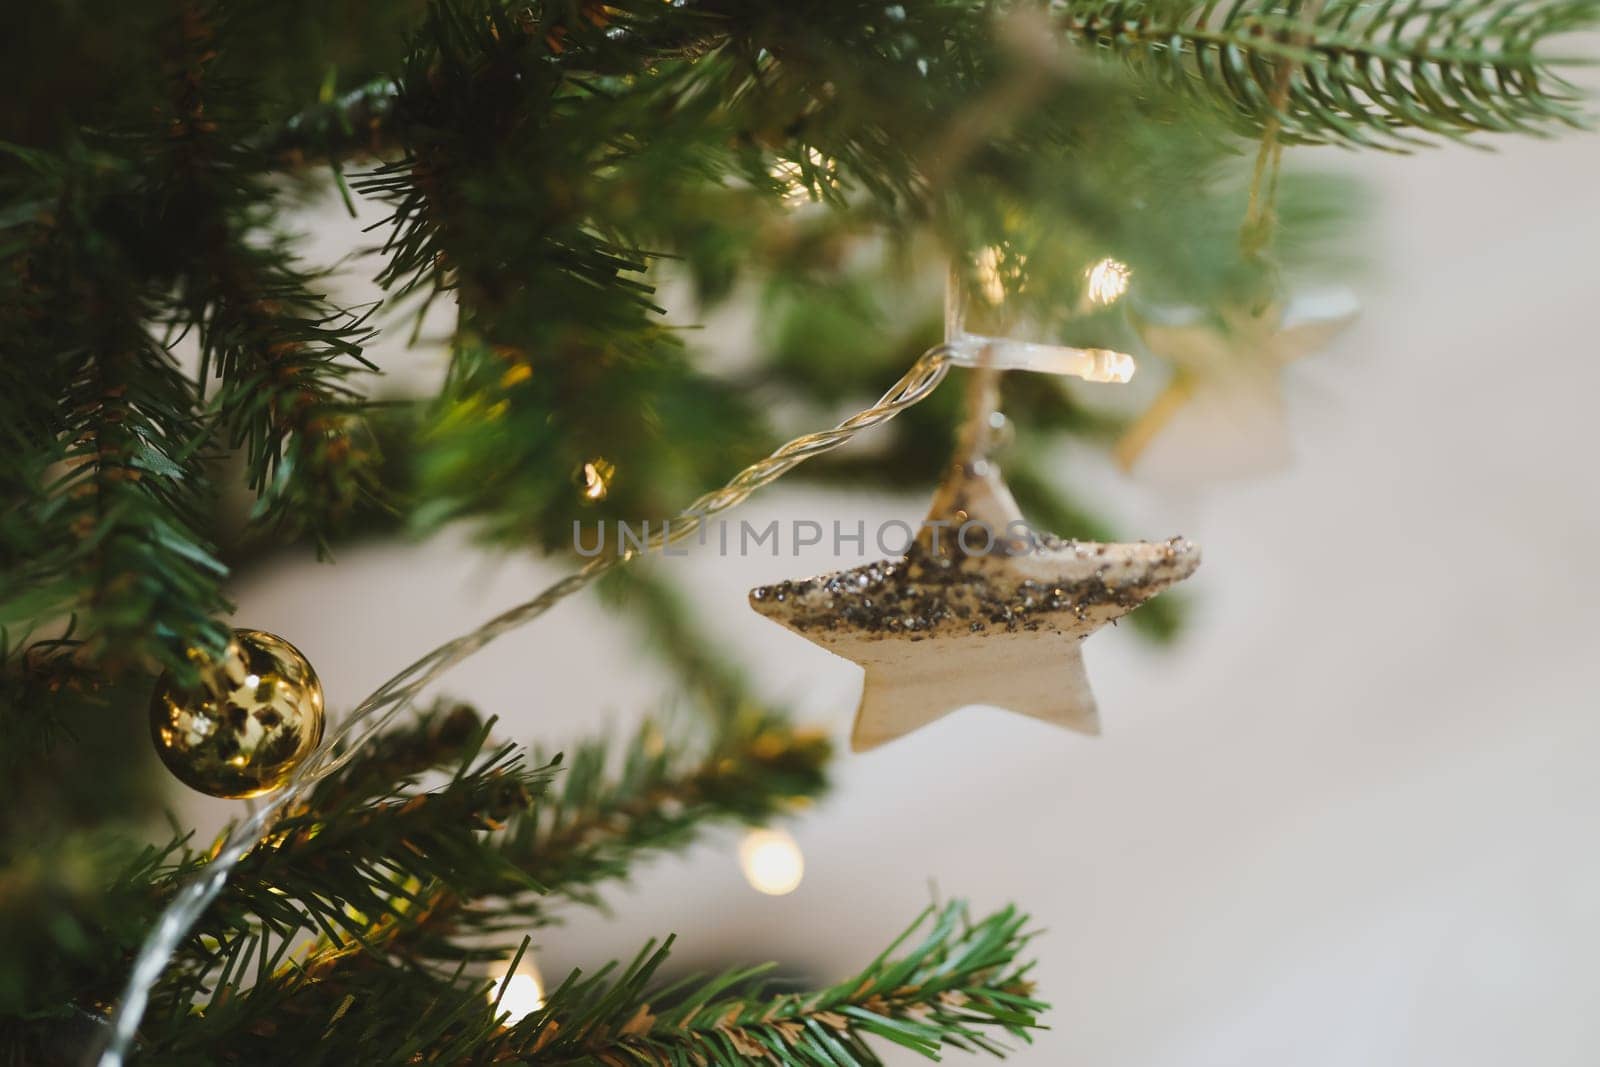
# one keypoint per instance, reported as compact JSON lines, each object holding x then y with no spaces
{"x":520,"y":993}
{"x":1108,"y":280}
{"x":1111,"y":366}
{"x":1003,"y":353}
{"x":596,"y":476}
{"x":996,"y":270}
{"x":772,"y":862}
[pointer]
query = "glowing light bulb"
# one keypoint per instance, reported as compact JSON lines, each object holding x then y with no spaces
{"x":1108,"y":280}
{"x":1107,"y":365}
{"x":596,"y":477}
{"x":521,"y":993}
{"x":772,"y":862}
{"x":1090,"y":364}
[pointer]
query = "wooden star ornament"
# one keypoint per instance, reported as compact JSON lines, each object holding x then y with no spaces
{"x":980,"y":610}
{"x":1222,"y":414}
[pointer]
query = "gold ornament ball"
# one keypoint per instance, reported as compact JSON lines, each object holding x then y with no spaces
{"x":243,"y":727}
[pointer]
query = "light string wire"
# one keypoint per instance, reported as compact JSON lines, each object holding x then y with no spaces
{"x":376,"y":711}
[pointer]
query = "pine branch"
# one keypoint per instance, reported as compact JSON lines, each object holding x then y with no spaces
{"x":342,"y":870}
{"x":389,"y":880}
{"x":282,"y":352}
{"x":76,"y":905}
{"x":500,"y":117}
{"x":560,"y":348}
{"x":1381,"y":75}
{"x":371,"y":867}
{"x":439,"y":736}
{"x":109,"y":481}
{"x":957,"y":988}
{"x":378,"y":871}
{"x":595,"y":829}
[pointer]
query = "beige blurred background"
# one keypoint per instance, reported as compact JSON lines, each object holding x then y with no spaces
{"x":1348,"y":819}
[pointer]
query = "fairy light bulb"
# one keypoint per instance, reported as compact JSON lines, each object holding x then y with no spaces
{"x":1108,"y":280}
{"x":772,"y":862}
{"x":994,"y":272}
{"x":1107,"y":365}
{"x":1003,"y":353}
{"x":595,"y":477}
{"x":520,"y":992}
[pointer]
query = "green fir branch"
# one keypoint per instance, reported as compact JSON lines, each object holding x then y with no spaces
{"x":603,"y":819}
{"x":959,"y":987}
{"x":562,"y":359}
{"x":393,"y":880}
{"x":282,"y":353}
{"x":111,"y":494}
{"x":369,"y":865}
{"x":597,"y":827}
{"x":1377,"y":75}
{"x":339,"y":871}
{"x":438,"y":736}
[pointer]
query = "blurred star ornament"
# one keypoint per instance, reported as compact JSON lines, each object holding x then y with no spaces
{"x":980,"y":610}
{"x":1222,"y":415}
{"x":247,"y":722}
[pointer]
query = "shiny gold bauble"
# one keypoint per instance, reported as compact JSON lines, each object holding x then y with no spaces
{"x":248,"y":721}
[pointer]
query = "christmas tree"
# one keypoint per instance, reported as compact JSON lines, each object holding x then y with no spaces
{"x":897,"y":190}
